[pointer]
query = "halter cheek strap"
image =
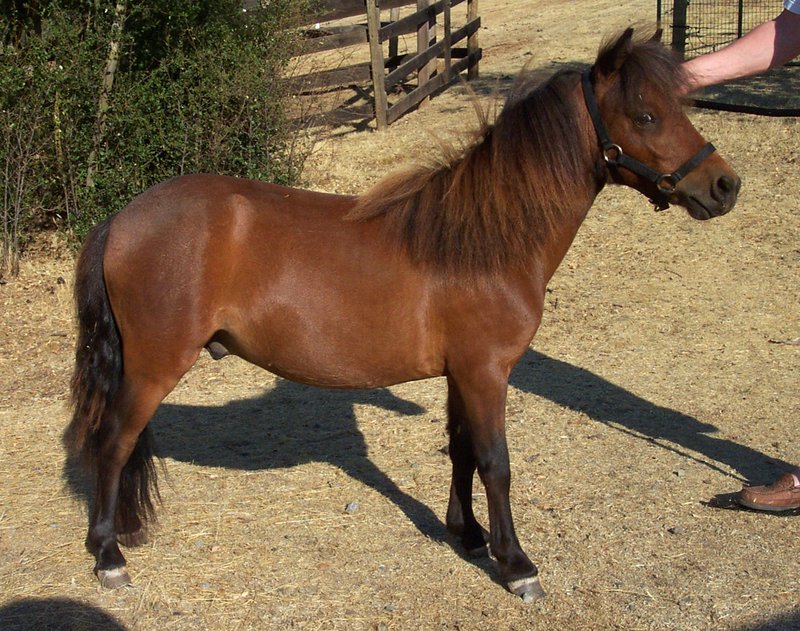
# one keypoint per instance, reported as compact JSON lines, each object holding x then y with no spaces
{"x":616,"y":158}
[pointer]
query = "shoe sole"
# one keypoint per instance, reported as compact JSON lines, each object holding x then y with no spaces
{"x":767,"y":507}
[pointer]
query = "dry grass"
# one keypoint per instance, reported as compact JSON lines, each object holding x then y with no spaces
{"x":651,"y":388}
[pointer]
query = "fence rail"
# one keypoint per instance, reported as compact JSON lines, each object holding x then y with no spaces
{"x":435,"y":64}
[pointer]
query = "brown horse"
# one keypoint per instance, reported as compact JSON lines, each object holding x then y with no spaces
{"x":435,"y":271}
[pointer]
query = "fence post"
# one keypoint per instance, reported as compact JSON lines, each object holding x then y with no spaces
{"x":679,"y":26}
{"x":425,"y":34}
{"x":376,"y":62}
{"x":740,"y":20}
{"x":394,"y":49}
{"x":448,"y":53}
{"x":472,"y":40}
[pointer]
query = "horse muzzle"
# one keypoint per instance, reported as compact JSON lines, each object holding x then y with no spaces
{"x":704,"y":200}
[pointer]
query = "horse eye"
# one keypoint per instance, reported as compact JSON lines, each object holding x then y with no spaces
{"x":642,"y":120}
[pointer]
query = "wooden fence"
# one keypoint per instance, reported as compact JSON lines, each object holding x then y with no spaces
{"x":416,"y":76}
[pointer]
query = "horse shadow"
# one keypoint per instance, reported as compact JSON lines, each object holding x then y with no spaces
{"x":289,"y":425}
{"x":55,"y":614}
{"x":292,"y":424}
{"x":604,"y":402}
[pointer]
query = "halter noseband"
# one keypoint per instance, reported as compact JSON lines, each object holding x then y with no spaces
{"x":616,"y":158}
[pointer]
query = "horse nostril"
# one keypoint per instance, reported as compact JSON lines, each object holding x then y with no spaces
{"x":726,"y":187}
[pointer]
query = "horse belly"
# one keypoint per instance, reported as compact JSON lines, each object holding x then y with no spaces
{"x":335,"y":339}
{"x":351,"y":371}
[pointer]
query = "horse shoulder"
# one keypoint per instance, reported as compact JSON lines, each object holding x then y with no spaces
{"x":505,"y":311}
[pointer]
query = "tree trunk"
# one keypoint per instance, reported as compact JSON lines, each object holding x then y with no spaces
{"x":112,"y":61}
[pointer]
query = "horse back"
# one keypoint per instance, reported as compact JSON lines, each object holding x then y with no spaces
{"x":274,"y":275}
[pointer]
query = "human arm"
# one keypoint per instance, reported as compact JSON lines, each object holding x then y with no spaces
{"x":768,"y":45}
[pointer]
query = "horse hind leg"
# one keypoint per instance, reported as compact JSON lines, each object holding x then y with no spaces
{"x":138,"y":480}
{"x":126,"y":483}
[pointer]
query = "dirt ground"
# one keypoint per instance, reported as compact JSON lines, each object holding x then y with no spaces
{"x":659,"y":382}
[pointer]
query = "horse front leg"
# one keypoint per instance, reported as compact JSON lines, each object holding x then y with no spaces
{"x":461,"y":520}
{"x":482,"y":398}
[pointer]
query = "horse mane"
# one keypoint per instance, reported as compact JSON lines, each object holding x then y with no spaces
{"x":497,"y":202}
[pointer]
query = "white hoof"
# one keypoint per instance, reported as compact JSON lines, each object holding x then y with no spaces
{"x":113,"y":579}
{"x":528,"y":589}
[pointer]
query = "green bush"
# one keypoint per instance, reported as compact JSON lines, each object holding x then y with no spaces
{"x":196,"y":88}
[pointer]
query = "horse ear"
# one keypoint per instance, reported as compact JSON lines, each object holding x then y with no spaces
{"x":612,"y":57}
{"x":657,"y":35}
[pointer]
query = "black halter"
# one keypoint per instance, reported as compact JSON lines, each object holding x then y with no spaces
{"x":616,"y":158}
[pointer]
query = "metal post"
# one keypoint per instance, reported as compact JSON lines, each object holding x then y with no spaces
{"x":739,"y":23}
{"x":679,"y":26}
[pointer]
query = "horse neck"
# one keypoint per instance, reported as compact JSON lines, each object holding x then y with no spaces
{"x":514,"y":199}
{"x":584,"y":193}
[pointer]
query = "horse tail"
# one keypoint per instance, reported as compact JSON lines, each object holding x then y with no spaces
{"x":98,"y":352}
{"x":95,"y":384}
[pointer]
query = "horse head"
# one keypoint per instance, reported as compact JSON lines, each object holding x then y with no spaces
{"x":632,"y":93}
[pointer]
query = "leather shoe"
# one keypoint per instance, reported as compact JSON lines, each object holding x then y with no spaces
{"x":783,"y":494}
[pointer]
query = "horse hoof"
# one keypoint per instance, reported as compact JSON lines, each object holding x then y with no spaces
{"x":114,"y":578}
{"x":133,"y":539}
{"x":528,"y":589}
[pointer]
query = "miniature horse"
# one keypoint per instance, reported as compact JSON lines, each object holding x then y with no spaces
{"x":436,"y":271}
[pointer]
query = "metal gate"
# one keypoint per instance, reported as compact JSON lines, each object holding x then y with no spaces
{"x":702,"y":26}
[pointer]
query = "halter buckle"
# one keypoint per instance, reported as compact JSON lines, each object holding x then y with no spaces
{"x":666,"y":183}
{"x":612,"y":153}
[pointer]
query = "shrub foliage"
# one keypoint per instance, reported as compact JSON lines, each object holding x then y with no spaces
{"x":100,"y":99}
